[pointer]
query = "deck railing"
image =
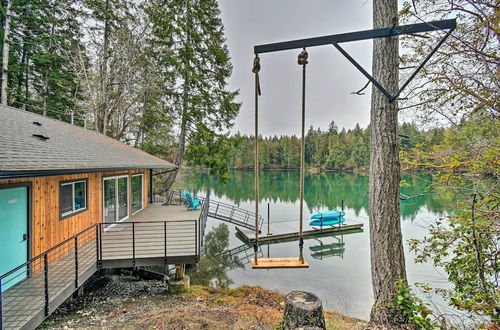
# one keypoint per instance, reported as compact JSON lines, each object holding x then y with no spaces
{"x":176,"y":196}
{"x":203,"y":218}
{"x":233,"y":214}
{"x":148,"y":239}
{"x":33,"y":290}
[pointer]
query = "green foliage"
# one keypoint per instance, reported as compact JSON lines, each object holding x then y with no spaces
{"x":189,"y":49}
{"x":41,"y":73}
{"x":467,"y":244}
{"x":414,"y":310}
{"x":331,"y":149}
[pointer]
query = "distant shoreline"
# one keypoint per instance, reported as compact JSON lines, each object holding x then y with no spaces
{"x":315,"y":170}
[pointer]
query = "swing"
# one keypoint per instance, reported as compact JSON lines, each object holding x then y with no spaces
{"x":266,"y":263}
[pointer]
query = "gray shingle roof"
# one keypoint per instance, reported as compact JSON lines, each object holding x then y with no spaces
{"x":68,"y":148}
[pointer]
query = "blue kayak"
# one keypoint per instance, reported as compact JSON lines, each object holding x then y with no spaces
{"x":326,"y":222}
{"x":328,"y":215}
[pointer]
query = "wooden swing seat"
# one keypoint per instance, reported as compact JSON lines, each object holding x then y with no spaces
{"x":267,"y":263}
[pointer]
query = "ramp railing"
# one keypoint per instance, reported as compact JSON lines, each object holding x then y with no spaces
{"x":233,"y":214}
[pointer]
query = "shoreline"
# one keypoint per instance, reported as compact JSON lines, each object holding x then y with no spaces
{"x":313,"y":170}
{"x":123,"y":301}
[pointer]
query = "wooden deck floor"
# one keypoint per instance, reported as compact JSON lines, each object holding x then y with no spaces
{"x":159,"y":212}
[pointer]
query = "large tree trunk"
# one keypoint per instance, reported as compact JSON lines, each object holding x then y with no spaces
{"x":5,"y":54}
{"x":181,"y":148}
{"x":386,"y":247}
{"x":179,"y":154}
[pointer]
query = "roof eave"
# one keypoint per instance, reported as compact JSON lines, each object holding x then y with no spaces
{"x":33,"y":173}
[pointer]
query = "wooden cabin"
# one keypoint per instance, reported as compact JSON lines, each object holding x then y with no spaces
{"x":57,"y":179}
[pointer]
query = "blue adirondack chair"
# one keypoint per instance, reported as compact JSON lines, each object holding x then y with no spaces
{"x":191,"y":202}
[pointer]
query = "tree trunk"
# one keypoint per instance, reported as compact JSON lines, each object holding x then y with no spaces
{"x":46,"y":76}
{"x":5,"y":54}
{"x":104,"y":75}
{"x":179,"y":155}
{"x":303,"y":309}
{"x":386,"y":247}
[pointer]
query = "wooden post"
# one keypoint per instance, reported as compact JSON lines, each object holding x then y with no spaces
{"x":303,"y":310}
{"x":181,"y":281}
{"x":180,"y":271}
{"x":268,"y":217}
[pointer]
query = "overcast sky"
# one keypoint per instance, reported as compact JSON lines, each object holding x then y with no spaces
{"x":330,"y":77}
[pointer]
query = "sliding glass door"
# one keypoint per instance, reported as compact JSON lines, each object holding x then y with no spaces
{"x":109,"y":198}
{"x":137,"y":193}
{"x":122,"y":198}
{"x":115,"y":199}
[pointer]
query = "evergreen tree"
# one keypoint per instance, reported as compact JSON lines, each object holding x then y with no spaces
{"x":191,"y":53}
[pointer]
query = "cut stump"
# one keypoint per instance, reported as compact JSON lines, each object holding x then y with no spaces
{"x":303,"y":310}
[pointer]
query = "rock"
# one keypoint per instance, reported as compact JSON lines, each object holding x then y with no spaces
{"x":303,"y":310}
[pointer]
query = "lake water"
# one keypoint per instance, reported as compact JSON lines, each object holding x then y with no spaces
{"x":340,"y":275}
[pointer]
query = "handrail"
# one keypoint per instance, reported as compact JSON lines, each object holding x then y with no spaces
{"x":46,"y":252}
{"x":234,"y":214}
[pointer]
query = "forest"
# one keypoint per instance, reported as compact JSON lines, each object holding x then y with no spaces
{"x":149,"y":73}
{"x":154,"y":74}
{"x":332,"y":149}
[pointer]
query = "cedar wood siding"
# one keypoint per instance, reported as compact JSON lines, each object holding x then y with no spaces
{"x":47,"y":230}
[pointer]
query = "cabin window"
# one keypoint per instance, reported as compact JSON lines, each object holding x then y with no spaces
{"x":137,"y":192}
{"x":73,"y":197}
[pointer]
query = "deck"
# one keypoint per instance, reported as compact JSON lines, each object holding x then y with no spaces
{"x":157,"y":235}
{"x":289,"y":231}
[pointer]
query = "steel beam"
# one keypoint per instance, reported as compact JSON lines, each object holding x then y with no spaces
{"x":449,"y":24}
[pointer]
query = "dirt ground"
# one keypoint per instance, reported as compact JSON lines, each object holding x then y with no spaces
{"x":121,"y":302}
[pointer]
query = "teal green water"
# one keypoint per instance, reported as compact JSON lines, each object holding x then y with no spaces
{"x":339,"y":270}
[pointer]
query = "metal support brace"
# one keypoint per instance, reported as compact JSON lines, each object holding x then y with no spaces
{"x":392,"y":31}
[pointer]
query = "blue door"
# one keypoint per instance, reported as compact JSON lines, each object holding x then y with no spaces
{"x":13,"y":233}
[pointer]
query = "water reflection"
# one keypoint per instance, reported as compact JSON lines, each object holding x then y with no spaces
{"x":214,"y":264}
{"x":338,"y":274}
{"x":323,"y":191}
{"x":331,"y":249}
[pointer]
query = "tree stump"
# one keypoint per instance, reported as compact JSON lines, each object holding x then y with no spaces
{"x":303,"y":310}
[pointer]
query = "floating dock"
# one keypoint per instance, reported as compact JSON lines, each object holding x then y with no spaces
{"x":289,"y":231}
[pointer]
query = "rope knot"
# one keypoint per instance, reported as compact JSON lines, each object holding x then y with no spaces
{"x":256,"y":69}
{"x":302,"y":58}
{"x":256,"y":64}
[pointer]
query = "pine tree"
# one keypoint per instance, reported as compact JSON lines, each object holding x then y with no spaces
{"x":188,"y":36}
{"x":386,"y":244}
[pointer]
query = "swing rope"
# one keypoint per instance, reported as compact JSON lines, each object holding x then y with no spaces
{"x":302,"y":60}
{"x":255,"y":70}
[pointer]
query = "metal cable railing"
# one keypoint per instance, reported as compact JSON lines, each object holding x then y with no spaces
{"x":148,"y":239}
{"x":233,"y":214}
{"x":33,"y":290}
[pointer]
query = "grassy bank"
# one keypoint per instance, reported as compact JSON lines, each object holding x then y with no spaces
{"x":126,"y":302}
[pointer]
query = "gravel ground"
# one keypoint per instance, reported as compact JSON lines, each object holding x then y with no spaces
{"x":125,"y":302}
